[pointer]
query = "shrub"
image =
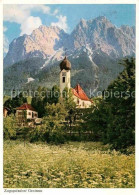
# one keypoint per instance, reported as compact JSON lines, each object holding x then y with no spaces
{"x":43,"y":133}
{"x":56,"y":137}
{"x":10,"y":127}
{"x":37,"y":134}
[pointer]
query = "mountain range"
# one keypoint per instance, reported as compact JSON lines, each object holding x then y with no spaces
{"x":94,"y":49}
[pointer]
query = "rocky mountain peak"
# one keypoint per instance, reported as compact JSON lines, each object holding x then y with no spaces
{"x":98,"y":33}
{"x":83,"y":23}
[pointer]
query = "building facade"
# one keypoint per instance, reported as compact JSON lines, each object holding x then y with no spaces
{"x":26,"y":111}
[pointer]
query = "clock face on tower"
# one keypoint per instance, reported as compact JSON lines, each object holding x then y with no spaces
{"x":63,"y":74}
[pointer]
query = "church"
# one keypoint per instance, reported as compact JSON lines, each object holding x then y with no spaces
{"x":80,"y":97}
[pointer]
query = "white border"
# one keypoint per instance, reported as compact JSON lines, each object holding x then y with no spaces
{"x":69,"y":1}
{"x":1,"y":97}
{"x":73,"y":191}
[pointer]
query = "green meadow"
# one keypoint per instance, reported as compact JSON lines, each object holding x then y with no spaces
{"x":71,"y":165}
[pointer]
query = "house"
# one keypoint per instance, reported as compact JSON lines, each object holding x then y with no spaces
{"x":80,"y":97}
{"x":26,"y":111}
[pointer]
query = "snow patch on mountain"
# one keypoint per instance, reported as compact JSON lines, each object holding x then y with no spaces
{"x":30,"y":79}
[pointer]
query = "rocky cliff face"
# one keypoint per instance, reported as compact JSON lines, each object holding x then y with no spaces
{"x":98,"y":34}
{"x":43,"y":42}
{"x":101,"y":34}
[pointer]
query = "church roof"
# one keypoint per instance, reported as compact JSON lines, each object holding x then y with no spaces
{"x":25,"y":107}
{"x":78,"y":92}
{"x":65,"y":64}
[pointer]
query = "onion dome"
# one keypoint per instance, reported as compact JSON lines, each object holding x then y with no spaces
{"x":65,"y":64}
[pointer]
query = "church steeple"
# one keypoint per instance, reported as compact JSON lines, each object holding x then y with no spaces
{"x":65,"y":67}
{"x":65,"y":64}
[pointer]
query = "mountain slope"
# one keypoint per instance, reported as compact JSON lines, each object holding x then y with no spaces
{"x":93,"y":75}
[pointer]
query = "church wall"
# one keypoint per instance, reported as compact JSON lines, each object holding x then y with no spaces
{"x":66,"y":74}
{"x":82,"y":103}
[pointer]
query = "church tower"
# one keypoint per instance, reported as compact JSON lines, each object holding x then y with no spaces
{"x":65,"y":67}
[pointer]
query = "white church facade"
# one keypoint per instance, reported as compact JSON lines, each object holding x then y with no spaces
{"x":80,"y":97}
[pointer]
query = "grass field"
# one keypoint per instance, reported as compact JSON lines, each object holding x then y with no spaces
{"x":72,"y":165}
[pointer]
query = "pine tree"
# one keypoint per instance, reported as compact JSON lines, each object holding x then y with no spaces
{"x":121,"y":131}
{"x":113,"y":119}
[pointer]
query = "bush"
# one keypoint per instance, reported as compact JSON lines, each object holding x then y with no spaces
{"x":37,"y":134}
{"x":10,"y":127}
{"x":56,"y":138}
{"x":41,"y":133}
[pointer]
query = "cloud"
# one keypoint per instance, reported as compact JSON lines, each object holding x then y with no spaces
{"x":21,"y":14}
{"x":61,"y":23}
{"x":55,"y":11}
{"x":30,"y":24}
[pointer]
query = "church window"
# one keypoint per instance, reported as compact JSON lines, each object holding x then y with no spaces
{"x":83,"y":103}
{"x":63,"y":79}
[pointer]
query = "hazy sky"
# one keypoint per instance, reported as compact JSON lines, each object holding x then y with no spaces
{"x":23,"y":19}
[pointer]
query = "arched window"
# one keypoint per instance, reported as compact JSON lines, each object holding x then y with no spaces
{"x":83,"y":104}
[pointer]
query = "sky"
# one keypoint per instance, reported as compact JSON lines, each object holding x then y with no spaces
{"x":23,"y":19}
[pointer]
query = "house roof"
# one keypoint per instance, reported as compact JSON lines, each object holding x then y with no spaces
{"x":78,"y":92}
{"x":25,"y":107}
